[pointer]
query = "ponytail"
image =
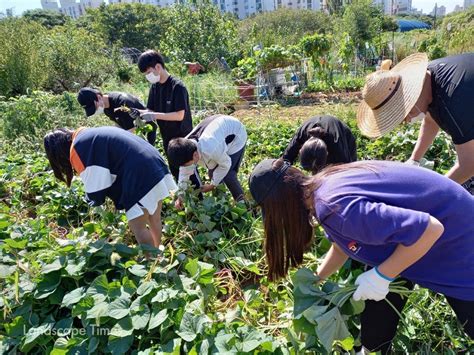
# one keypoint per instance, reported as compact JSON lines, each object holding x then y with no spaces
{"x":314,"y":153}
{"x":57,"y":145}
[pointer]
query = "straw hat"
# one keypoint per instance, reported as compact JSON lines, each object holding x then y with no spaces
{"x":386,"y":64}
{"x":389,"y":95}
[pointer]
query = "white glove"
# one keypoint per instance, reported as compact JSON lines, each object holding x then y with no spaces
{"x":372,"y":286}
{"x":412,"y":162}
{"x":148,"y":116}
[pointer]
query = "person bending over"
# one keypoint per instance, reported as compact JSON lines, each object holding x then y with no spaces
{"x":321,"y":141}
{"x":400,"y":220}
{"x":119,"y":165}
{"x":218,"y":144}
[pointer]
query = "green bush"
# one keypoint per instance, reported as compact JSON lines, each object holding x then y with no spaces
{"x":200,"y":33}
{"x":31,"y":116}
{"x":76,"y":58}
{"x":457,"y":30}
{"x":283,"y":27}
{"x":128,"y":25}
{"x":21,"y":65}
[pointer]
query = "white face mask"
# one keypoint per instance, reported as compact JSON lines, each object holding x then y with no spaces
{"x":419,"y":117}
{"x":99,"y":110}
{"x":152,"y":78}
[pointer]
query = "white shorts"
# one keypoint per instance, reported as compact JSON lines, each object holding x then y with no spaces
{"x":150,"y":201}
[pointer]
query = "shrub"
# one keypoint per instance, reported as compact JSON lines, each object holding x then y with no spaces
{"x":21,"y":67}
{"x":75,"y":58}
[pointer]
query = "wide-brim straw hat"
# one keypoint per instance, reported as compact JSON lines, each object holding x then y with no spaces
{"x":389,"y":95}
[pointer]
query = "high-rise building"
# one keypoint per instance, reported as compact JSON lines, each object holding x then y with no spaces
{"x":245,"y":8}
{"x":402,"y":7}
{"x":458,"y":8}
{"x":70,"y":7}
{"x":50,"y":5}
{"x":438,"y":11}
{"x":468,"y":4}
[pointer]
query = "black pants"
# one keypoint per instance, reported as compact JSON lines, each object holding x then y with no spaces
{"x":379,"y":321}
{"x":151,"y":136}
{"x":231,"y":180}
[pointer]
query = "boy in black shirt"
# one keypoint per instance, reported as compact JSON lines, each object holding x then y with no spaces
{"x":168,"y":103}
{"x":111,"y":104}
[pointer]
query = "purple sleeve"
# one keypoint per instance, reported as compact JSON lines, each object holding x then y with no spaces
{"x":376,"y":223}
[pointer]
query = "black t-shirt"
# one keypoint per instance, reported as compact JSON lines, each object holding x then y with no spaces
{"x":452,"y":83}
{"x":340,"y":141}
{"x":171,"y":96}
{"x":122,"y":118}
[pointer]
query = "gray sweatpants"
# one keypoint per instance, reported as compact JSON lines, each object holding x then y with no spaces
{"x":230,"y":179}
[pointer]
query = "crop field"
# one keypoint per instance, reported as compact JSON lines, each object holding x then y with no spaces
{"x":73,"y":280}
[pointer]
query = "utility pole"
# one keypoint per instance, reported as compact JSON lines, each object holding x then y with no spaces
{"x":435,"y":13}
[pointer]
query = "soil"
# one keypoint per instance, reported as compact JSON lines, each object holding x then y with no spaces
{"x":310,"y":104}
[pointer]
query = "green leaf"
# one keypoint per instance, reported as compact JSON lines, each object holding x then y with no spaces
{"x":191,"y":326}
{"x":157,"y":318}
{"x":313,"y":312}
{"x":331,"y":327}
{"x":63,"y":327}
{"x":74,"y":267}
{"x":82,"y":306}
{"x":122,"y":328}
{"x":100,"y":285}
{"x":305,"y":280}
{"x":35,"y":332}
{"x":201,"y":272}
{"x":125,"y":250}
{"x":119,"y":308}
{"x":146,"y":287}
{"x":140,"y":316}
{"x":16,"y":244}
{"x":164,"y":295}
{"x":357,"y":306}
{"x":16,"y":327}
{"x":73,"y":297}
{"x":6,"y":270}
{"x":138,"y":270}
{"x":119,"y":345}
{"x":98,"y":311}
{"x":48,"y":285}
{"x":57,"y":264}
{"x":347,"y":344}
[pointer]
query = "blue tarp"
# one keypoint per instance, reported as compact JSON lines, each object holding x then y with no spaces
{"x":408,"y":25}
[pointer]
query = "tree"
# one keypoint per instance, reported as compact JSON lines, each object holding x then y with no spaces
{"x":199,"y":33}
{"x":46,"y":18}
{"x":76,"y":58}
{"x":21,"y":66}
{"x":363,"y":21}
{"x":127,"y":25}
{"x":283,"y":27}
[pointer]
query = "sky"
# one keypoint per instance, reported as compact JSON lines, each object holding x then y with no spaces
{"x":21,"y":5}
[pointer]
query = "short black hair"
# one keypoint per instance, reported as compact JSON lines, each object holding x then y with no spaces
{"x":181,"y":151}
{"x":149,"y":59}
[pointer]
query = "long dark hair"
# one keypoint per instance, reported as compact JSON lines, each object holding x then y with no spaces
{"x":57,"y":145}
{"x":314,"y":152}
{"x":289,"y":211}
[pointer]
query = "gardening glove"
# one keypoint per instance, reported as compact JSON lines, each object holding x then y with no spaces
{"x":148,"y":116}
{"x":412,"y":162}
{"x":134,"y":113}
{"x":373,"y":285}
